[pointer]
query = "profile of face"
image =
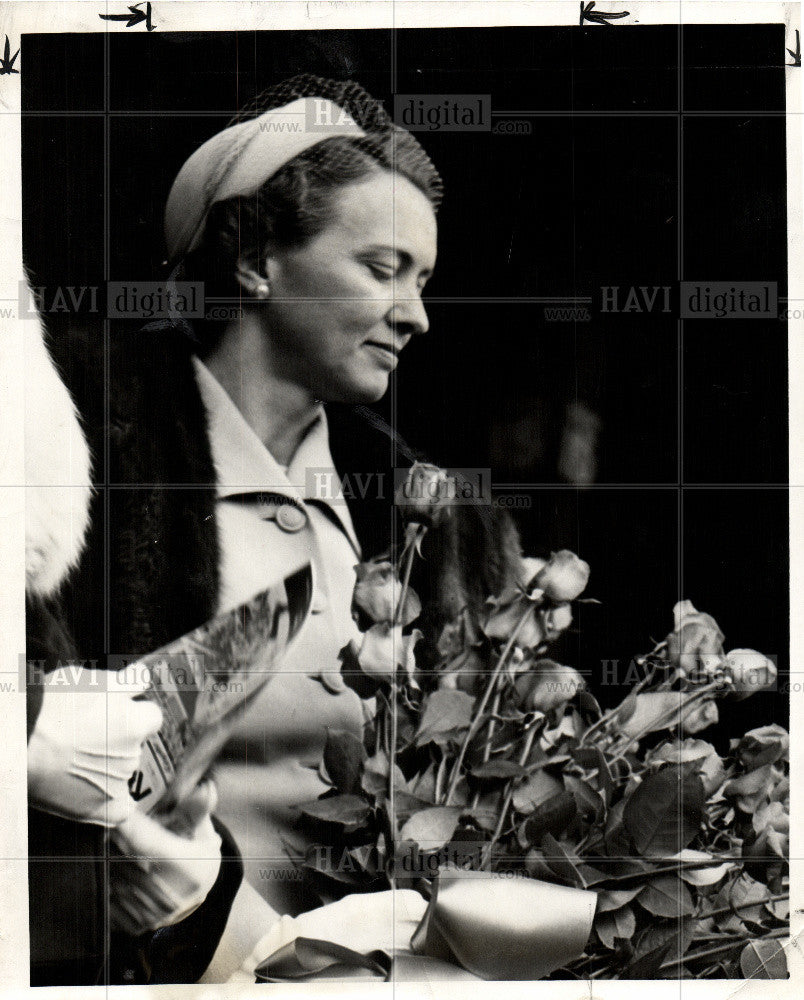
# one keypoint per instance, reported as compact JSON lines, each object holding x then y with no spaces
{"x":344,"y":305}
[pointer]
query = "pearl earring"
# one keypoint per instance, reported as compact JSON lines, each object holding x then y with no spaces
{"x":261,"y":290}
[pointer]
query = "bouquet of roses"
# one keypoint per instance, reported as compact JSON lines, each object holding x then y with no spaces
{"x":497,"y":760}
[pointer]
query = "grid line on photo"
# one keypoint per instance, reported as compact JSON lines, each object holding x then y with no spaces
{"x":680,"y":390}
{"x":106,"y":611}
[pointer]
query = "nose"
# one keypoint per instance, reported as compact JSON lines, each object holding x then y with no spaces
{"x":408,"y":315}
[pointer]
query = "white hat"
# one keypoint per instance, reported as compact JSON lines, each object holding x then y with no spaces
{"x":238,"y":161}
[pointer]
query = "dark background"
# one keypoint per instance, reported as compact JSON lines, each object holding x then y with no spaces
{"x":635,"y":172}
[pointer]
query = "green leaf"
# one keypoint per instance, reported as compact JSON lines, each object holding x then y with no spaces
{"x":589,"y":704}
{"x":647,"y":966}
{"x":763,"y":959}
{"x":486,"y":818}
{"x":348,"y":810}
{"x":675,"y":933}
{"x":499,"y":769}
{"x":589,"y":802}
{"x":779,"y":908}
{"x":536,"y":790}
{"x":737,"y":894}
{"x":551,"y":817}
{"x":344,"y":755}
{"x":447,"y":714}
{"x":560,"y":861}
{"x":374,"y":780}
{"x":406,"y":804}
{"x":431,"y":828}
{"x":627,"y":709}
{"x":585,"y":756}
{"x":615,"y":924}
{"x":702,"y":876}
{"x":593,"y":758}
{"x":613,"y":899}
{"x":665,"y":812}
{"x":423,"y":785}
{"x":666,"y":896}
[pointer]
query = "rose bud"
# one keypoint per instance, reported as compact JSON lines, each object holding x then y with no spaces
{"x":564,"y":577}
{"x":750,"y":672}
{"x":771,"y":822}
{"x":696,"y":644}
{"x":425,"y":496}
{"x":762,"y":746}
{"x":377,"y":593}
{"x":549,"y":685}
{"x":713,"y":772}
{"x":781,"y":790}
{"x":529,"y":567}
{"x":504,"y":619}
{"x":699,"y":717}
{"x":557,"y":620}
{"x":384,"y":649}
{"x":378,"y":653}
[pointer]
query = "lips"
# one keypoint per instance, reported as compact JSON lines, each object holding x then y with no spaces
{"x":391,"y":348}
{"x":383,"y":354}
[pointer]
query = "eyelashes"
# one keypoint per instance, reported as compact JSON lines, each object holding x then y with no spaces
{"x":382,"y":272}
{"x":387,"y":273}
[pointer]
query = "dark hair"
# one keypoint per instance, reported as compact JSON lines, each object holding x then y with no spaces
{"x":296,"y":203}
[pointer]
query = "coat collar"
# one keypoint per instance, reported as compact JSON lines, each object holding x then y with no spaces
{"x":244,"y":465}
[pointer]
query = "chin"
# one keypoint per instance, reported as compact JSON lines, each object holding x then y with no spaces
{"x":355,"y":392}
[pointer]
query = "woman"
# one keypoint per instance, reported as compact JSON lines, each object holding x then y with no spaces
{"x":327,"y":258}
{"x":325,"y":237}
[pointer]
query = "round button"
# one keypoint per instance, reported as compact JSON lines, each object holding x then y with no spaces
{"x":291,"y":518}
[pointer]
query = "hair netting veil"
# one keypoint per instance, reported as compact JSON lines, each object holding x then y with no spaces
{"x":391,"y":145}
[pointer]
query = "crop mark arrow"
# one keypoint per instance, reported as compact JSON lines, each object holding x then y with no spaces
{"x":135,"y":16}
{"x":599,"y":16}
{"x":797,"y":54}
{"x":7,"y":62}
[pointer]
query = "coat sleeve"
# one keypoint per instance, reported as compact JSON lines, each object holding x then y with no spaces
{"x":47,"y":643}
{"x":182,"y":952}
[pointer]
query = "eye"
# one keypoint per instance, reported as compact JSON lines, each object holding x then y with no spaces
{"x":384,"y":272}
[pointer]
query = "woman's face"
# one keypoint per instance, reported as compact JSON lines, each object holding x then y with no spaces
{"x":343,"y":306}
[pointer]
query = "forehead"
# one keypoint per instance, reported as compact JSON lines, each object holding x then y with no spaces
{"x":386,"y":209}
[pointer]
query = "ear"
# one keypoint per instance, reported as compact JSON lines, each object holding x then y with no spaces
{"x":247,"y":277}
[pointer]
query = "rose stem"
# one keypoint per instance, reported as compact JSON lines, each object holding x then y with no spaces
{"x":495,"y":709}
{"x":409,"y":556}
{"x":613,"y":712}
{"x":439,"y":778}
{"x":745,"y":906}
{"x":667,"y":717}
{"x":474,"y":724}
{"x":391,"y":762}
{"x":523,"y":757}
{"x":730,"y":946}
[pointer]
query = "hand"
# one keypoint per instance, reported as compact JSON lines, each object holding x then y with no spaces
{"x":364,"y":922}
{"x":85,"y":746}
{"x":164,"y":876}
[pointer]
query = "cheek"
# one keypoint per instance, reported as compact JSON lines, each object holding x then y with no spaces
{"x":325,"y":330}
{"x":332,"y":307}
{"x":359,"y":317}
{"x":354,"y":311}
